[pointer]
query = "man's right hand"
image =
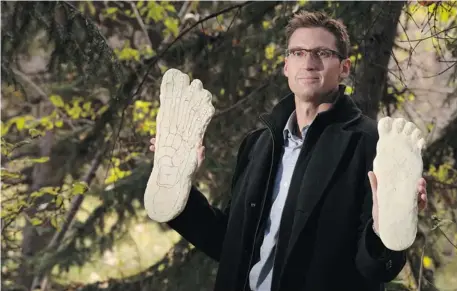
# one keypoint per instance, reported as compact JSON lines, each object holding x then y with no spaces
{"x":200,"y":151}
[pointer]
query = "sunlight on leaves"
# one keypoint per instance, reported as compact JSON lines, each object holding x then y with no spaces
{"x":40,"y":160}
{"x":428,"y":262}
{"x":36,"y":221}
{"x":172,"y":25}
{"x":56,"y":100}
{"x":270,"y":51}
{"x":79,"y":188}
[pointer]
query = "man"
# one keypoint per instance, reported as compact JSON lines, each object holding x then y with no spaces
{"x":301,"y":215}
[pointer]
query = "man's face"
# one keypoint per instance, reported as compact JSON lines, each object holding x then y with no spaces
{"x":311,"y":75}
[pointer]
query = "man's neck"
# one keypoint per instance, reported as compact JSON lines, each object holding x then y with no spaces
{"x":306,"y":111}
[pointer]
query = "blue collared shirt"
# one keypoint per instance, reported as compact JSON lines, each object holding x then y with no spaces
{"x":261,"y":273}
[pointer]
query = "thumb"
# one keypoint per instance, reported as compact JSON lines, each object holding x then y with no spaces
{"x":373,"y":184}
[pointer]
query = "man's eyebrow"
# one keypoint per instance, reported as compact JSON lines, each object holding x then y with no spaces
{"x":300,"y":48}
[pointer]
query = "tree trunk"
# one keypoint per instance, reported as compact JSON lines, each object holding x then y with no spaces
{"x":35,"y":237}
{"x":371,"y":73}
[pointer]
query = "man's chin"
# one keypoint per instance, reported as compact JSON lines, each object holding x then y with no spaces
{"x":311,"y":94}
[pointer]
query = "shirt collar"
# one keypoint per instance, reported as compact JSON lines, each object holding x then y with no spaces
{"x":292,"y":126}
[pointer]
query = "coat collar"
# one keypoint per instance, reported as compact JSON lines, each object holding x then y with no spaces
{"x":344,"y":110}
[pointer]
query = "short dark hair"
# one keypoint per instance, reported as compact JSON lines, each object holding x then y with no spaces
{"x":320,"y":19}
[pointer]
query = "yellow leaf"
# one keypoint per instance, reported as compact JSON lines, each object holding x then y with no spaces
{"x":6,"y":127}
{"x":54,"y":222}
{"x":20,"y":123}
{"x":6,"y":173}
{"x":59,"y":123}
{"x":87,"y":106}
{"x":155,"y":11}
{"x":269,"y":51}
{"x":36,"y":221}
{"x":172,"y":25}
{"x":169,"y":7}
{"x":50,"y":190}
{"x":91,"y":6}
{"x":79,"y":188}
{"x":40,"y":160}
{"x":56,"y":100}
{"x":428,"y":262}
{"x":59,"y":201}
{"x":102,"y":110}
{"x":349,"y":90}
{"x":111,"y":11}
{"x":35,"y":132}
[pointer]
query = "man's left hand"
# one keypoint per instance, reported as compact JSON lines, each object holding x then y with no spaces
{"x":421,"y":200}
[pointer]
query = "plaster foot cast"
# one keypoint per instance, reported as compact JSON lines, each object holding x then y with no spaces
{"x":398,"y":167}
{"x":184,"y":114}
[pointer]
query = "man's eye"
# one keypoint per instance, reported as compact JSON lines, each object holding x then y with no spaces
{"x":297,"y":53}
{"x":323,"y":53}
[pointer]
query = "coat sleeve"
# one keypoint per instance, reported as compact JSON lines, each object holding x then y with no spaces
{"x":374,"y":260}
{"x":202,"y":224}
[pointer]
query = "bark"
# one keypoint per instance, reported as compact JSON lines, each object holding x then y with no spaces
{"x":372,"y":74}
{"x":35,"y":238}
{"x":69,"y":219}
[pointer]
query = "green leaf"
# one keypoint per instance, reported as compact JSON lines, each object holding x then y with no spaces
{"x":54,"y":222}
{"x":79,"y":188}
{"x":20,"y":122}
{"x":169,"y":7}
{"x":172,"y":25}
{"x":37,"y":194}
{"x":40,"y":160}
{"x":111,"y":11}
{"x":36,"y":221}
{"x":35,"y":132}
{"x":59,"y":201}
{"x":51,"y":190}
{"x":349,"y":90}
{"x":270,"y":51}
{"x":7,"y":174}
{"x":155,"y":11}
{"x":56,"y":100}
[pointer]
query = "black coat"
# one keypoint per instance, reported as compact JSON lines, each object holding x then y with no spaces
{"x":326,"y":241}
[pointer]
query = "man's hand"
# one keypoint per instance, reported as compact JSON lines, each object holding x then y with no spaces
{"x":200,"y":151}
{"x":421,"y":192}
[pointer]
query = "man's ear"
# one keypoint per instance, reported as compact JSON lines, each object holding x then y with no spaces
{"x":345,"y":68}
{"x":285,"y":68}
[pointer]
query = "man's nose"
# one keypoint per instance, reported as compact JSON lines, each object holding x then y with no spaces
{"x":310,"y":63}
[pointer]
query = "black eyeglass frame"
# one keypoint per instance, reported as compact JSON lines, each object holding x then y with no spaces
{"x":333,"y":52}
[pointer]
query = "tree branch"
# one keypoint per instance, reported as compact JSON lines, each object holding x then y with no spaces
{"x":69,"y":219}
{"x":140,"y":22}
{"x":183,"y":33}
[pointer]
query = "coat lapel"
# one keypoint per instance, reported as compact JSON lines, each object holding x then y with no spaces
{"x":323,"y":165}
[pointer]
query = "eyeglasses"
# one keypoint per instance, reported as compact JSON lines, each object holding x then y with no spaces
{"x":317,"y":53}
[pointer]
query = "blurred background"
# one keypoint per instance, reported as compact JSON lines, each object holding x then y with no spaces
{"x":80,"y":86}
